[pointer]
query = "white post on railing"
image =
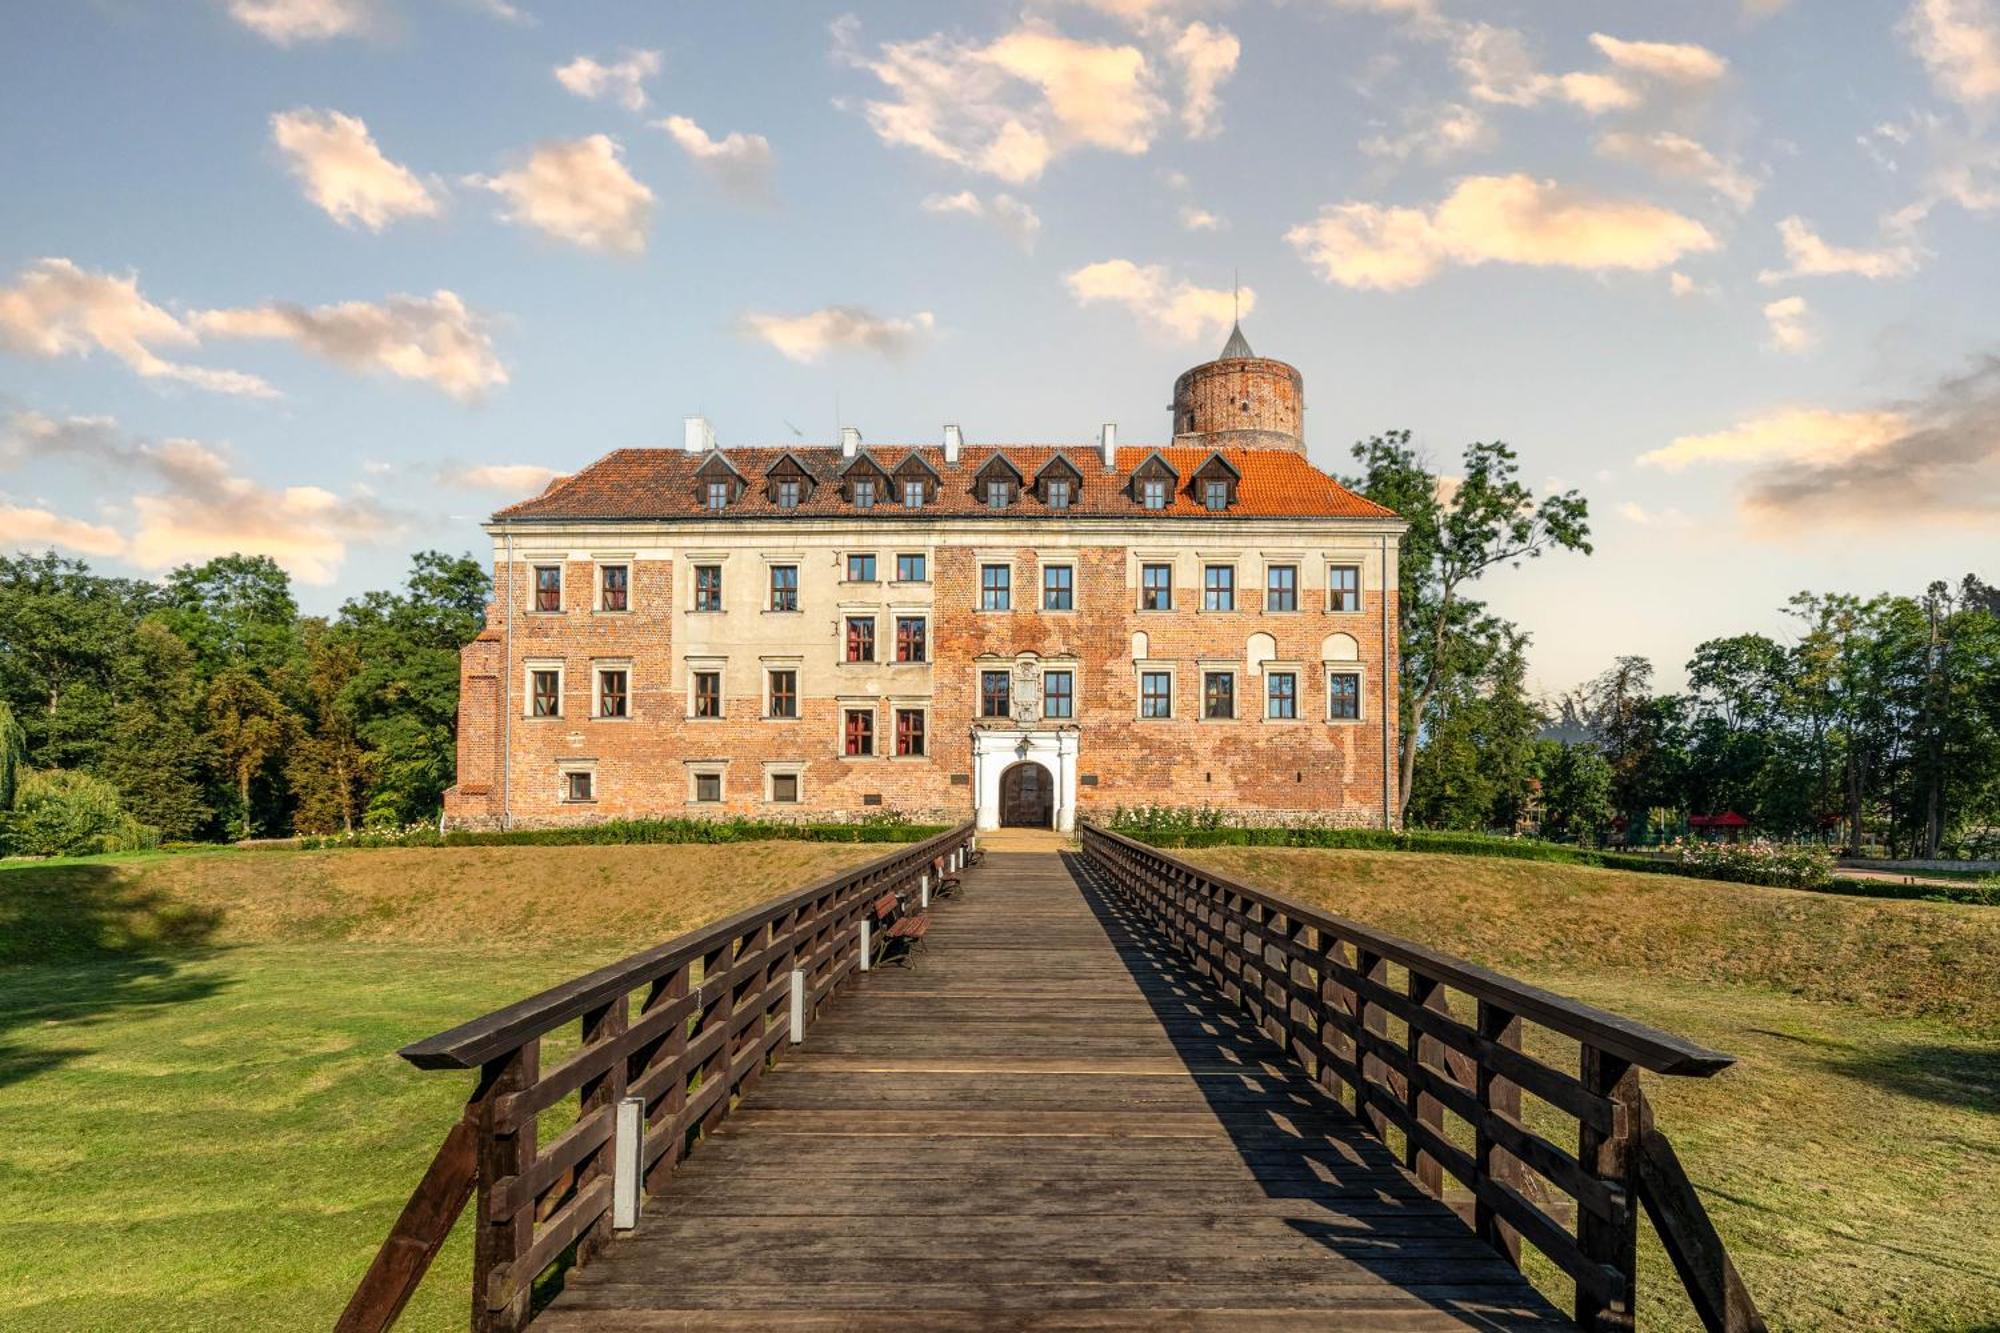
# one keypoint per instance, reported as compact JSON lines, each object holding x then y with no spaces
{"x":864,"y":944}
{"x":629,"y":1163}
{"x":924,"y":889}
{"x":798,"y":1006}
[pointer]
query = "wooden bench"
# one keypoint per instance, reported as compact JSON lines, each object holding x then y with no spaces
{"x":898,"y":932}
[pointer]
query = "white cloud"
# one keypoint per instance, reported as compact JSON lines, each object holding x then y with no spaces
{"x":435,"y":340}
{"x":1795,"y":434}
{"x":342,"y":171}
{"x":1812,"y":257}
{"x":513,"y":478}
{"x":1013,"y":216}
{"x":1959,"y":42}
{"x":1637,"y":514}
{"x":1011,"y":106}
{"x":739,"y":163}
{"x":808,"y":337}
{"x":1786,"y":320}
{"x":577,"y":191}
{"x":1504,"y":219}
{"x":197,"y":505}
{"x":1677,"y":157}
{"x":622,"y":81}
{"x":1434,"y":134}
{"x":1160,"y":301}
{"x":1200,"y":219}
{"x":1497,"y":67}
{"x":1206,"y":57}
{"x":58,"y":309}
{"x":286,"y":22}
{"x":28,"y":527}
{"x":1670,"y":62}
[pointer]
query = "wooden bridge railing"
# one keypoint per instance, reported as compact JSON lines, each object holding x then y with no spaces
{"x":681,"y":1029}
{"x":1393,"y":1050}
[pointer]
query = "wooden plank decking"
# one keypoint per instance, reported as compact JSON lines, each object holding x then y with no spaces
{"x":1047,"y":1124}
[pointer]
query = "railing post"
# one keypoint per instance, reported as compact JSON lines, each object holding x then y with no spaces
{"x":1369,"y":1018}
{"x":1613,"y":1159}
{"x":1492,"y":1162}
{"x":670,"y":1053}
{"x":605,"y":1091}
{"x":504,"y":1150}
{"x":1423,"y":1108}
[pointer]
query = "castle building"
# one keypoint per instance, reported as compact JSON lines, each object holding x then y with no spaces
{"x":1024,"y":633}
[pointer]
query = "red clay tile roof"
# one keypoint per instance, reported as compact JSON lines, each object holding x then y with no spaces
{"x":660,"y":483}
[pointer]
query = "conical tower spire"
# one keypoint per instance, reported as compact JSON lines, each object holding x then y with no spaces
{"x":1238,"y":346}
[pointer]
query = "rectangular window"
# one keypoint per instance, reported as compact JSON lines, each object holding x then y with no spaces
{"x":1281,"y":588}
{"x":1218,"y":695}
{"x":860,"y":568}
{"x":910,"y":645}
{"x":1281,"y":694}
{"x":994,"y":700}
{"x":614,"y":588}
{"x":861,"y":638}
{"x":1156,"y":694}
{"x":861,"y":731}
{"x":909,"y":731}
{"x":612,"y":700}
{"x":913,"y":495}
{"x":1156,"y":587}
{"x":786,"y":495}
{"x":784,"y":789}
{"x":784,"y":587}
{"x":864,"y":498}
{"x":1215,"y":495}
{"x":579,"y":785}
{"x":1343,"y":588}
{"x":718,"y":495}
{"x":548,"y":587}
{"x":1058,"y":694}
{"x":547,"y":693}
{"x":708,"y":587}
{"x":999,"y":494}
{"x":1153,"y":493}
{"x":1057,"y":491}
{"x":707,"y":788}
{"x":784,"y":693}
{"x":1343,"y":695}
{"x":996,"y":587}
{"x":1058,"y":588}
{"x":1218,"y":588}
{"x":910,"y":569}
{"x":708,"y":694}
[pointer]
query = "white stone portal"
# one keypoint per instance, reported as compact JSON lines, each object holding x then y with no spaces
{"x":995,"y":750}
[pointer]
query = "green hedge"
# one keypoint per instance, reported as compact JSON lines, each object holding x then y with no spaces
{"x":625,"y":831}
{"x":1197,"y":834}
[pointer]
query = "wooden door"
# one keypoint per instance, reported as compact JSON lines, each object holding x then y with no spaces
{"x":1027,"y":797}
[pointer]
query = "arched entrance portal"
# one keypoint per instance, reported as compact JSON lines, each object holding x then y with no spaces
{"x":1027,"y":796}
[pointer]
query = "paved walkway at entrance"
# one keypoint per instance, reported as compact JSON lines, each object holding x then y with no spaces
{"x":1046,"y":1124}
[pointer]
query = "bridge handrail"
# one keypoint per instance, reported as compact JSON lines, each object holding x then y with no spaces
{"x":1320,"y":986}
{"x":713,"y":1005}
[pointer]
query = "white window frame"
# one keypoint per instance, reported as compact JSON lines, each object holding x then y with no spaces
{"x":846,"y":557}
{"x":924,"y":556}
{"x":903,"y":706}
{"x":698,"y":769}
{"x":529,"y":667}
{"x":1143,"y":669}
{"x":855,"y":703}
{"x":565,"y":767}
{"x":599,"y":564}
{"x":901,"y":613}
{"x":600,"y":665}
{"x":694,"y":565}
{"x":1232,"y":670}
{"x":784,"y":768}
{"x":794,"y":665}
{"x":1270,"y":669}
{"x":1075,"y":674}
{"x":1235,"y":587}
{"x":535,"y":565}
{"x":982,"y":607}
{"x":1328,"y":670}
{"x":1298,"y":587}
{"x":873,"y":616}
{"x":697,"y":665}
{"x":1360,"y":587}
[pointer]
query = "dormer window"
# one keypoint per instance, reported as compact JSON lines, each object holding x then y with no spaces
{"x":916,"y":482}
{"x":787,"y":483}
{"x":1057,"y":482}
{"x":1215,"y":494}
{"x":999,"y":494}
{"x":998,"y":483}
{"x":717,"y":483}
{"x":913,"y":494}
{"x":1215,"y":482}
{"x":1056,"y":492}
{"x":1154,"y":482}
{"x":864,"y":493}
{"x":1153,"y":493}
{"x":786,"y":495}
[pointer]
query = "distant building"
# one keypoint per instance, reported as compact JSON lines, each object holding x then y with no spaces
{"x":1021,"y":632}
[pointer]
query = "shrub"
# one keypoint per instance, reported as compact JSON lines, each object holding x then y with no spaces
{"x":1788,"y":865}
{"x":62,"y":813}
{"x":612,"y":832}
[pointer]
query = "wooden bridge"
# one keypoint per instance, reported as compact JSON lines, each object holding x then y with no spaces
{"x":1116,"y":1091}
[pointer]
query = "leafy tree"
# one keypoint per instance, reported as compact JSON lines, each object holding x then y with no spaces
{"x":248,"y":726}
{"x":1576,"y":791}
{"x":235,"y":611}
{"x":159,"y":760}
{"x":1489,"y":520}
{"x":328,"y":768}
{"x":62,"y":631}
{"x":71,"y":814}
{"x":13,"y":749}
{"x":1475,"y":766}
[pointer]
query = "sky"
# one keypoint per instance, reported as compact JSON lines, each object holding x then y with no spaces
{"x":331,"y":280}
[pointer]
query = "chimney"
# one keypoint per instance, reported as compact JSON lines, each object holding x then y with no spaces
{"x":697,"y":434}
{"x":954,"y":440}
{"x":1107,"y":440}
{"x":850,"y":441}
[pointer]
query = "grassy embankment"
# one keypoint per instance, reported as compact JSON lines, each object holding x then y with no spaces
{"x":202,"y":1121}
{"x":1852,"y":1158}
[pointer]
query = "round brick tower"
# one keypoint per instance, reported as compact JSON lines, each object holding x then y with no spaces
{"x":1241,"y":400}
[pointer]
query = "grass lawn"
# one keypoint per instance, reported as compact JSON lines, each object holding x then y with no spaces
{"x":1852,"y":1158}
{"x":202,"y":1121}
